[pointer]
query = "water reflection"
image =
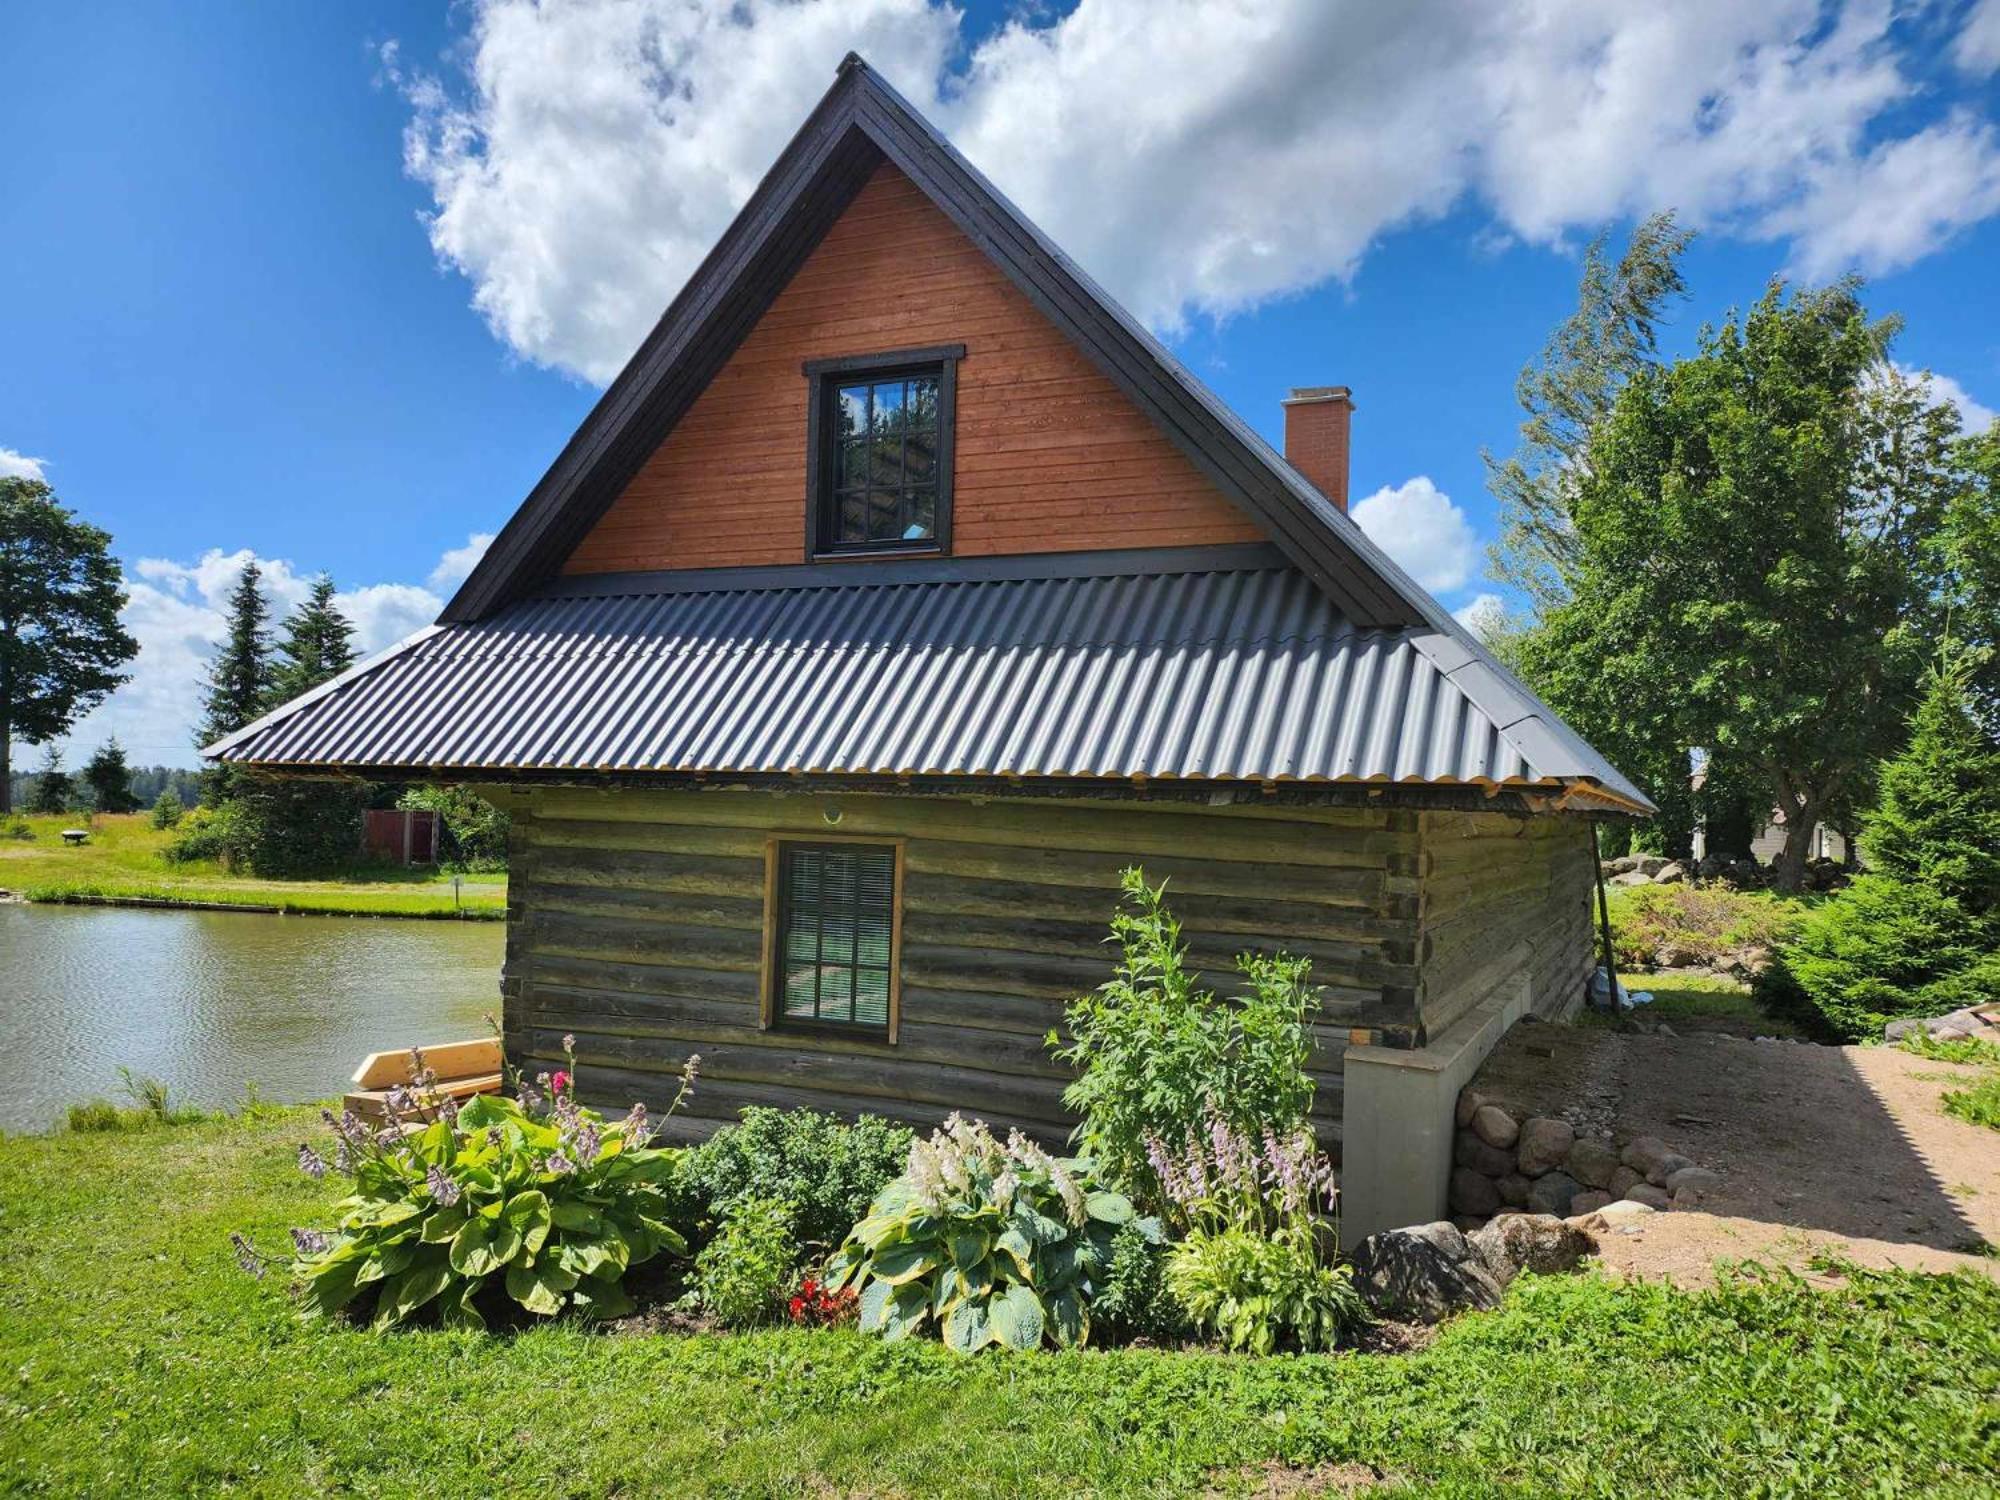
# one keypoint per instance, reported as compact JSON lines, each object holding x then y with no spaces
{"x":208,"y":1001}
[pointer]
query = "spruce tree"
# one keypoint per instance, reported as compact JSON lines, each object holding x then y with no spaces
{"x":52,"y":784}
{"x":110,"y":779}
{"x":1938,"y":817}
{"x":318,"y":643}
{"x":238,"y":682}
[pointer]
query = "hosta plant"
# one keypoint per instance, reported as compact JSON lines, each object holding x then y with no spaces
{"x":535,"y":1198}
{"x":986,"y":1242}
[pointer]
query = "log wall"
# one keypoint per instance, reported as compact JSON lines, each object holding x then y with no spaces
{"x":637,"y":923}
{"x":1503,"y":896}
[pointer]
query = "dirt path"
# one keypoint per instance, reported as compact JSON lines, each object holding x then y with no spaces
{"x":1839,"y":1148}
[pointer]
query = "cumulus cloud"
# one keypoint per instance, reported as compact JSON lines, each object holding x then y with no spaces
{"x":19,"y":466}
{"x":1977,"y":47}
{"x":1416,"y":523}
{"x":1973,"y":415}
{"x":457,"y":564}
{"x":176,"y":613}
{"x":1485,"y":616}
{"x":1198,"y":156}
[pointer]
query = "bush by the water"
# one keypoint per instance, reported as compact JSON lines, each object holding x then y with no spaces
{"x":1688,"y":926}
{"x":167,"y":810}
{"x":534,"y":1200}
{"x":281,"y":828}
{"x":1920,"y":935}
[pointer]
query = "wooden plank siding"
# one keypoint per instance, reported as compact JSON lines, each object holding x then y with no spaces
{"x":1503,"y":896}
{"x":1051,"y":456}
{"x":638,"y":923}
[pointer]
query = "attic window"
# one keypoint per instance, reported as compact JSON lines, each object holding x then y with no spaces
{"x":879,"y":462}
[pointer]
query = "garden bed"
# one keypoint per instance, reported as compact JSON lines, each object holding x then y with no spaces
{"x":140,"y":1358}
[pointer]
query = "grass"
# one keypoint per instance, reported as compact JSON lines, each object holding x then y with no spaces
{"x":138,"y":1359}
{"x":1695,"y":1002}
{"x":1980,"y":1103}
{"x":122,"y":862}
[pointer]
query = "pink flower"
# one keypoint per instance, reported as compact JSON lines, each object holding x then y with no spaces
{"x":559,"y":1081}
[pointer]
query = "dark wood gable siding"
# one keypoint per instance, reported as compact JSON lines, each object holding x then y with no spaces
{"x":1051,"y":456}
{"x":639,"y":917}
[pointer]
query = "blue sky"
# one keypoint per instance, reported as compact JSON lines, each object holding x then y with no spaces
{"x":332,"y":284}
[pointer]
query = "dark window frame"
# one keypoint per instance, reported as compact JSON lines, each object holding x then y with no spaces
{"x":776,"y":902}
{"x":823,"y":379}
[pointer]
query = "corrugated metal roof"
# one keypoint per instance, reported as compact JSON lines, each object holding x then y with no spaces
{"x":1238,"y":673}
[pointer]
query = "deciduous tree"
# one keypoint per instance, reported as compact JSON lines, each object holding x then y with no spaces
{"x":61,"y":641}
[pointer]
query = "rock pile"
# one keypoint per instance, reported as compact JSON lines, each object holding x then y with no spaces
{"x":1509,"y":1162}
{"x":1746,"y":874}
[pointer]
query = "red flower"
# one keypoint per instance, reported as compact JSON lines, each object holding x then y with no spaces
{"x":560,"y":1081}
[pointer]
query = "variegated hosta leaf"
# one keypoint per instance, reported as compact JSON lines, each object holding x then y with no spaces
{"x":900,"y":1263}
{"x":1016,"y":1317}
{"x":1109,"y":1207}
{"x":1015,"y":1246}
{"x":1067,"y":1324}
{"x":967,"y":1328}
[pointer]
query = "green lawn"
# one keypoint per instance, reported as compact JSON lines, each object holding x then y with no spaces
{"x":135,"y":1358}
{"x":122,"y":859}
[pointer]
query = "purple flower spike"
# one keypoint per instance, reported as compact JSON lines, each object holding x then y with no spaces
{"x":246,"y":1255}
{"x":442,"y":1188}
{"x":312,"y":1163}
{"x":309,"y":1242}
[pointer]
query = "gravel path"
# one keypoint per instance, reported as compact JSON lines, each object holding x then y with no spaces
{"x":1841,"y":1148}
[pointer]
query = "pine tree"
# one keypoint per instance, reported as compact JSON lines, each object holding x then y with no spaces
{"x":318,"y":643}
{"x":1938,"y":817}
{"x":110,"y":779}
{"x":52,"y":784}
{"x":238,"y":682}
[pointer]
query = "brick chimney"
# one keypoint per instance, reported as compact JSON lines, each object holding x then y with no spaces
{"x":1316,"y":421}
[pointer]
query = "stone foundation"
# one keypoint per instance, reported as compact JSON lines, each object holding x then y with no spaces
{"x":1535,"y":1132}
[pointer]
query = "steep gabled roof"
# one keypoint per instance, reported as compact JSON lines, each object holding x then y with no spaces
{"x":860,"y":123}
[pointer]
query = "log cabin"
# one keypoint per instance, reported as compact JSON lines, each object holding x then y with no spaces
{"x":899,"y":593}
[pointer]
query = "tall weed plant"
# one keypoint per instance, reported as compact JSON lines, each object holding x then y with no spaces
{"x":1159,"y":1057}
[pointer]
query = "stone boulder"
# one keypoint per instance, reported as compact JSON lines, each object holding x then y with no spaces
{"x":1644,"y":1153}
{"x":1513,"y":1189}
{"x":1468,"y":1150}
{"x":1623,"y":1181}
{"x":1541,"y":1243}
{"x":1585,"y":1204}
{"x":1495,"y":1126}
{"x":1630,"y":877}
{"x":1472,"y":1192}
{"x":1592,"y":1162}
{"x":1422,"y":1274}
{"x":1622,"y":1216}
{"x":1669,"y":1164}
{"x":1552,"y":1193}
{"x":1671,"y":873}
{"x":1652,"y":1197}
{"x":1544,"y":1145}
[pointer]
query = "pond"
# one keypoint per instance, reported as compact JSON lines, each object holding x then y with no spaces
{"x":210,"y":1001}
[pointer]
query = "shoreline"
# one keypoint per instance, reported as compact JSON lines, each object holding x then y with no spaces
{"x":252,"y":908}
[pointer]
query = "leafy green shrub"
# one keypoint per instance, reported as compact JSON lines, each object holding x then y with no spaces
{"x":1132,"y":1300}
{"x":828,"y":1170}
{"x":534,"y":1194}
{"x":1253,"y":1268}
{"x":743,"y":1274}
{"x":1882,"y":949}
{"x":1954,"y":1049}
{"x":475,"y":831}
{"x":989,"y":1243}
{"x":18,"y":828}
{"x":1696,"y":924}
{"x":1254,"y":1292}
{"x":167,"y":810}
{"x":1157,"y":1057}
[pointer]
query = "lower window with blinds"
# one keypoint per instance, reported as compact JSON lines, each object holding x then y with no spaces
{"x":835,"y":937}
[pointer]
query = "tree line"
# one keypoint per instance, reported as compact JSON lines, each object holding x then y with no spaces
{"x":106,"y":783}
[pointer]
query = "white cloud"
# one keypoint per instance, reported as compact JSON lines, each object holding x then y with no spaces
{"x":19,"y":466}
{"x":1977,"y":49}
{"x":457,"y":564}
{"x":1485,"y":616}
{"x":1973,"y":415}
{"x":176,"y":613}
{"x":1416,"y":524}
{"x":1198,"y":156}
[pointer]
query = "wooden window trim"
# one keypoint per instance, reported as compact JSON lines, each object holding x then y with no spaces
{"x":771,"y":1016}
{"x":822,"y":375}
